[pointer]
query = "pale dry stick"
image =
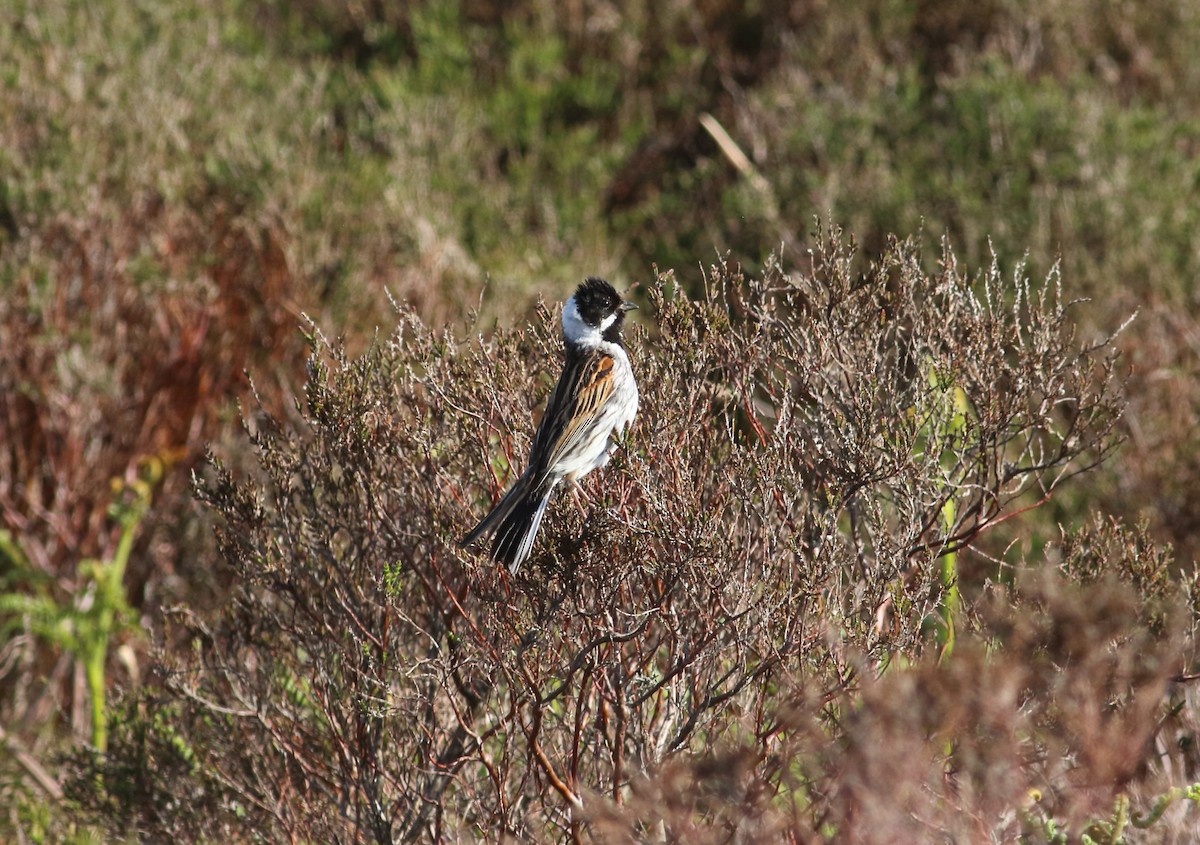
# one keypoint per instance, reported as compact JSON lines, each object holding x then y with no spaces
{"x":745,"y":167}
{"x":27,"y":762}
{"x":735,"y":154}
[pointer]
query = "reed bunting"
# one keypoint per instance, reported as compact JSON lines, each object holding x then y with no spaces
{"x":595,"y":400}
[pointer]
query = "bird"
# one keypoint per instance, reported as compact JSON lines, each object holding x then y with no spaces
{"x":594,"y":402}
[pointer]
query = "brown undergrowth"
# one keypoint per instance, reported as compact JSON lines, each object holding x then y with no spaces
{"x":754,"y":631}
{"x":111,"y":381}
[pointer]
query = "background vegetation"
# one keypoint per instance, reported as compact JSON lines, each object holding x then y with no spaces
{"x":192,"y":196}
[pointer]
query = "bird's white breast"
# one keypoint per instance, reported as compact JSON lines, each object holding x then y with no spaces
{"x":625,"y":392}
{"x":598,"y":440}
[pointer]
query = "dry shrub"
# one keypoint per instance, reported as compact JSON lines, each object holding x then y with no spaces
{"x":125,"y":341}
{"x":1047,"y":712}
{"x":1157,"y":476}
{"x":810,"y":449}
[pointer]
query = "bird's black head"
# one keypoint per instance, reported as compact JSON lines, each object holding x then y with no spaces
{"x":600,"y":305}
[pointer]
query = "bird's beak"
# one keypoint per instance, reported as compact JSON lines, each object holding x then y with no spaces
{"x":628,"y":306}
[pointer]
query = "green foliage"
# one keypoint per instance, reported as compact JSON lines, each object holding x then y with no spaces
{"x":83,"y":624}
{"x":942,"y":428}
{"x":1123,"y":825}
{"x":37,"y":820}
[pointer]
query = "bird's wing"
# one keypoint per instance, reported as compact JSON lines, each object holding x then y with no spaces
{"x":586,"y":384}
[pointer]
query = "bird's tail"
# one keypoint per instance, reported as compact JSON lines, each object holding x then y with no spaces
{"x":514,"y":522}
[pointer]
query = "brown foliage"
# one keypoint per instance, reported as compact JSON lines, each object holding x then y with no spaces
{"x":772,"y":526}
{"x":1048,"y":713}
{"x":105,"y":372}
{"x":707,"y":648}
